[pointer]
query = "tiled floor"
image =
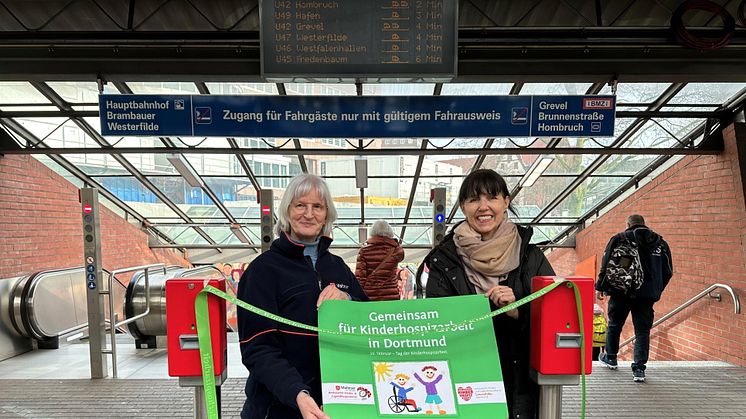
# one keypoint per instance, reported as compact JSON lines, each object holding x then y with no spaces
{"x":56,"y":383}
{"x":72,"y":361}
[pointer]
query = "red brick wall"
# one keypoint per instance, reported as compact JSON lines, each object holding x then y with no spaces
{"x":563,"y":261}
{"x":697,"y":205}
{"x":42,"y":225}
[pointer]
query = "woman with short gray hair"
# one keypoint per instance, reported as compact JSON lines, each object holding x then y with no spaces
{"x":300,"y":186}
{"x":291,"y":280}
{"x":378,"y":261}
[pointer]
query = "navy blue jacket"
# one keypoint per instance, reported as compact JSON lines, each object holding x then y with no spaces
{"x":655,"y":257}
{"x":283,"y":360}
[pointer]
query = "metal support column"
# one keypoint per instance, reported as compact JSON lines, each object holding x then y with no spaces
{"x":438,"y":198}
{"x":267,"y":217}
{"x":550,"y":402}
{"x":200,"y":407}
{"x":200,"y":404}
{"x":550,"y":393}
{"x":361,"y":182}
{"x":94,"y":282}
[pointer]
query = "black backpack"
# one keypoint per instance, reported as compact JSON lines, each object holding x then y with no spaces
{"x":624,"y":270}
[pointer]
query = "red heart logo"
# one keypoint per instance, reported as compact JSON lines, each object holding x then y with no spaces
{"x":337,"y":388}
{"x":465,"y":393}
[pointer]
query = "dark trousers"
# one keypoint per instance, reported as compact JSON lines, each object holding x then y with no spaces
{"x":642,"y":319}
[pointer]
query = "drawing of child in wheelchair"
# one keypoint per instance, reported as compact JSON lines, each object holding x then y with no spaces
{"x":399,"y":401}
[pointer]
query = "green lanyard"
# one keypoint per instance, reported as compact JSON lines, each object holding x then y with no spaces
{"x":205,"y":352}
{"x":205,"y":348}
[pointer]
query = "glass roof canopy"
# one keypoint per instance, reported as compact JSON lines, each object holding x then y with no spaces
{"x":555,"y":188}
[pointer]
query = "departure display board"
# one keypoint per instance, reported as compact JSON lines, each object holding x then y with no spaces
{"x":322,"y":39}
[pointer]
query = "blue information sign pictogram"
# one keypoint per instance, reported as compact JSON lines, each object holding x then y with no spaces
{"x":203,"y":115}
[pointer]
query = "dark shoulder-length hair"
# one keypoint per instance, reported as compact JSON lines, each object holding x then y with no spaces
{"x":482,"y":181}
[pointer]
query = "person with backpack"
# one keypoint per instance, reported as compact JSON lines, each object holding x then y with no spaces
{"x":488,"y":254}
{"x":635,"y":269}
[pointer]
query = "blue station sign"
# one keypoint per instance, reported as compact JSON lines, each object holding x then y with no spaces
{"x":357,"y":117}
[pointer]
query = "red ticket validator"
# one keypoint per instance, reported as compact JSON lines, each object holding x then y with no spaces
{"x":181,"y":326}
{"x":555,"y":329}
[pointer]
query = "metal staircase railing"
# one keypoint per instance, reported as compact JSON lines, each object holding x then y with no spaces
{"x":706,"y":292}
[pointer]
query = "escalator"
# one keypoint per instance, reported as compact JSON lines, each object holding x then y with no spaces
{"x":40,"y":308}
{"x":147,"y":329}
{"x":43,"y":307}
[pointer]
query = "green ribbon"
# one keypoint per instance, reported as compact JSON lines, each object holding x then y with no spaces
{"x":578,"y":305}
{"x":205,"y":353}
{"x":205,"y":348}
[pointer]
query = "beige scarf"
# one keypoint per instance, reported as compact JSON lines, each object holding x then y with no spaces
{"x":487,"y":262}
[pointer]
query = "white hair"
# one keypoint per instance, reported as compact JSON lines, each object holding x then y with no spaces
{"x":299,"y":186}
{"x":381,"y":228}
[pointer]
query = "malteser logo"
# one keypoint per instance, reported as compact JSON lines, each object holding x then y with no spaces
{"x":596,"y":103}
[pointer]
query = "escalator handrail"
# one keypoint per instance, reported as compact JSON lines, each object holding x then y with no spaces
{"x":144,"y":268}
{"x":129,"y":308}
{"x":113,"y":330}
{"x":190,"y":271}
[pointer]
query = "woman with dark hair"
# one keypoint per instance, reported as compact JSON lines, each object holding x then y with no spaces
{"x":291,"y":280}
{"x":487,"y":254}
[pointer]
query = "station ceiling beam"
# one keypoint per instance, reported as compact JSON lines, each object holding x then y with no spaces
{"x":372,"y":152}
{"x":493,"y":54}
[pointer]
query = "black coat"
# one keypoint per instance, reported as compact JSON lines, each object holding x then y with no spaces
{"x":283,"y":360}
{"x":655,"y":258}
{"x":447,"y":278}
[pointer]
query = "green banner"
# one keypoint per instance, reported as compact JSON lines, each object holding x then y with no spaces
{"x":411,"y":357}
{"x":348,"y":334}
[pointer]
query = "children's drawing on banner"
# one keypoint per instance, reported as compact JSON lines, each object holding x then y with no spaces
{"x":410,"y":388}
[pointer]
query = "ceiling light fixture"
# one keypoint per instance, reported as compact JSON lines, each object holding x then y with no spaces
{"x":361,"y":172}
{"x":535,"y":171}
{"x":238,"y":232}
{"x":185,"y":170}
